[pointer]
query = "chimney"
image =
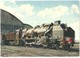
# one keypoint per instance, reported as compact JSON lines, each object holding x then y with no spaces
{"x":57,"y":22}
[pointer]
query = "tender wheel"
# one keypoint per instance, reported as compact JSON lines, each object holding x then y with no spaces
{"x":6,"y":42}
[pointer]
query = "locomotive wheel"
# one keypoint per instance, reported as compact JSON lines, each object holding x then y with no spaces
{"x":57,"y":47}
{"x":21,"y":43}
{"x":54,"y":46}
{"x":6,"y":42}
{"x":67,"y":47}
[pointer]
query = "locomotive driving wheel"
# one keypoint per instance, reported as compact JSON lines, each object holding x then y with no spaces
{"x":66,"y":47}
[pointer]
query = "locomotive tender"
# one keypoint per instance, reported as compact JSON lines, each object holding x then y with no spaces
{"x":48,"y":35}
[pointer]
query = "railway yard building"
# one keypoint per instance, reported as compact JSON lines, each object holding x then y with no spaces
{"x":9,"y":22}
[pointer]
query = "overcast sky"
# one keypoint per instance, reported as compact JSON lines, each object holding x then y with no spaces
{"x":39,"y":12}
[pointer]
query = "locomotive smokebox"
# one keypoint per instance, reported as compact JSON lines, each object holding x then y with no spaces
{"x":57,"y":22}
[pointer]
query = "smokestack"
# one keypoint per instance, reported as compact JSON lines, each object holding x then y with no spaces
{"x":58,"y":22}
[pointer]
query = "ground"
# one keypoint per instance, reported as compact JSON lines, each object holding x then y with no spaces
{"x":15,"y":51}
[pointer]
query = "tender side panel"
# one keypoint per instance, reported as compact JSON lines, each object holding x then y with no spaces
{"x":10,"y":36}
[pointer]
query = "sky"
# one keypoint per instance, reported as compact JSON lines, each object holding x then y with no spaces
{"x":35,"y":12}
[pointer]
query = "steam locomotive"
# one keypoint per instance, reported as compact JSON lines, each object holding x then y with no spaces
{"x":54,"y":35}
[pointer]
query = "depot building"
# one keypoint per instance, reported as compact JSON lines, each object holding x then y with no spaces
{"x":9,"y":22}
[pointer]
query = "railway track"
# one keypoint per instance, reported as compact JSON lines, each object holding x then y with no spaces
{"x":9,"y":51}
